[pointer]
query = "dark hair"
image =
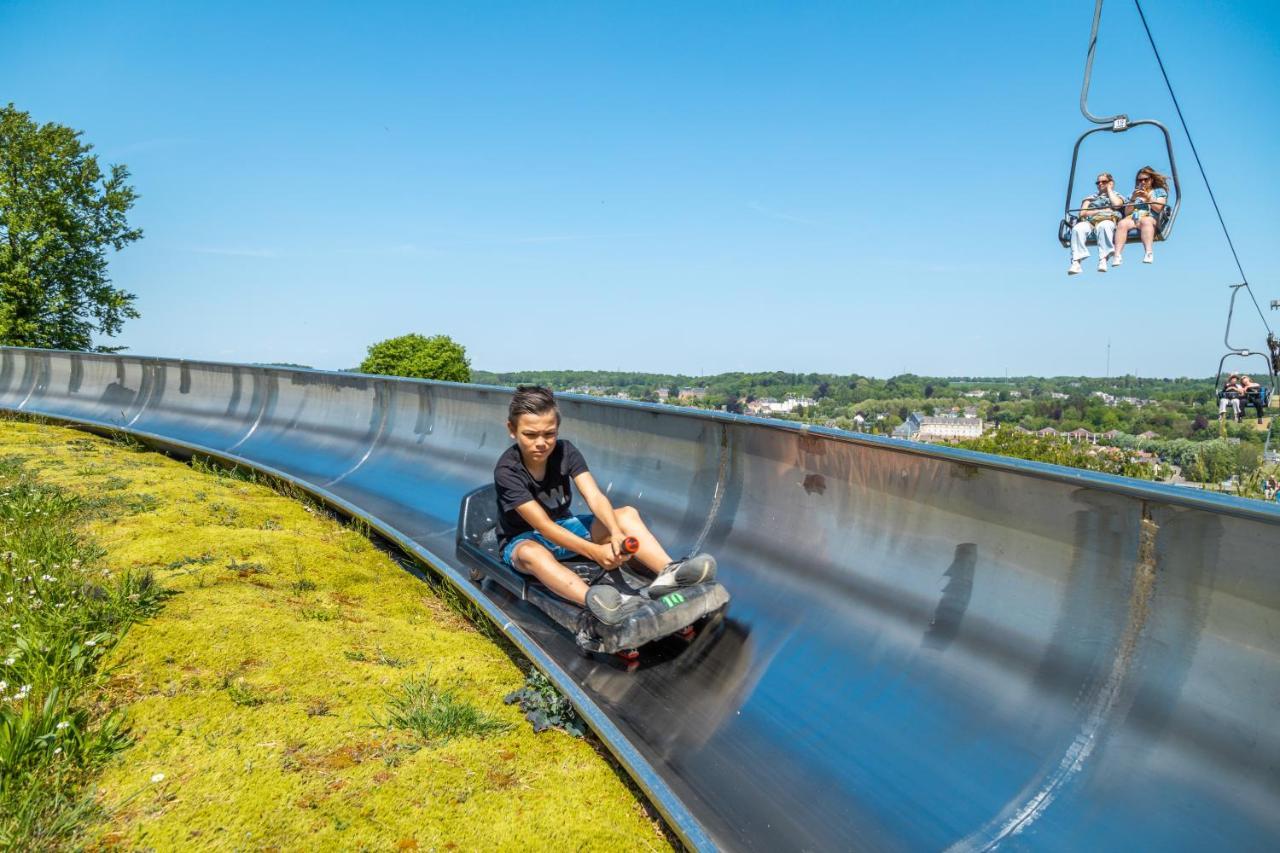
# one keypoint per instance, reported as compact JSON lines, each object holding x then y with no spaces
{"x":532,"y":400}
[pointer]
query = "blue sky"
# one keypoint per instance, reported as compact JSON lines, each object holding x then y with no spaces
{"x":842,"y":187}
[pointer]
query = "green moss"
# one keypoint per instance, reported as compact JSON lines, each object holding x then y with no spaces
{"x":257,"y":722}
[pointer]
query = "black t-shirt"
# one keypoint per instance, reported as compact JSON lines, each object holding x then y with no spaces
{"x":516,"y":486}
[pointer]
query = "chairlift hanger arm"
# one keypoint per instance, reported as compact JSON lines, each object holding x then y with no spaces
{"x":1119,"y":119}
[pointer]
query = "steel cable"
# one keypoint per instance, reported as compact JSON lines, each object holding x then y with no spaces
{"x":1221,"y":221}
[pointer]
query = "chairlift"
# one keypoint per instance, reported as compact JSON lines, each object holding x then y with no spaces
{"x":1271,"y":358}
{"x":1116,"y":124}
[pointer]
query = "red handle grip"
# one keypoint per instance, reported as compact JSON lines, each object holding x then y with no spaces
{"x":630,"y":545}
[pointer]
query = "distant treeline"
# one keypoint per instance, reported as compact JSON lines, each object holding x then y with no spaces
{"x":851,"y":389}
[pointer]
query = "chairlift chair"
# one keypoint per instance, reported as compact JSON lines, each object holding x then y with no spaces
{"x":1166,"y":215}
{"x":1116,"y":124}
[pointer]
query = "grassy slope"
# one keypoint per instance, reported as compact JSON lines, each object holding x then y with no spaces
{"x":252,"y":693}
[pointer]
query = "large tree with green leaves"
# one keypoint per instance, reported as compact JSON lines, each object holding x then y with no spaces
{"x":419,"y":357}
{"x":59,"y":216}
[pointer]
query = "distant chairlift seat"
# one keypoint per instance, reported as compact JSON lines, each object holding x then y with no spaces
{"x":1259,"y":397}
{"x":477,"y":544}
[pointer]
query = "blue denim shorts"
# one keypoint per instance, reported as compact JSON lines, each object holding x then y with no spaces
{"x":578,"y":525}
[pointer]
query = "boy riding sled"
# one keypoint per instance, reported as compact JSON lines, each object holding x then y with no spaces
{"x":534,"y":480}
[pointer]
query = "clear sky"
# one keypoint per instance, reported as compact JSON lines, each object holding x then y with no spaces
{"x":684,"y":187}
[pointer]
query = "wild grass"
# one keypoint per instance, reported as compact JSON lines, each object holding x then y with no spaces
{"x":63,"y":611}
{"x":436,"y":716}
{"x":249,"y":725}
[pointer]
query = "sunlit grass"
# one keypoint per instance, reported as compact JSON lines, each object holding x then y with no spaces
{"x":248,"y":723}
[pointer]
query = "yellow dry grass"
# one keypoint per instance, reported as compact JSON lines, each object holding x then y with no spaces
{"x":253,"y":692}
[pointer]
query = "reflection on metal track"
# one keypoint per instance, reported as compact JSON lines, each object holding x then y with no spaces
{"x":926,"y":648}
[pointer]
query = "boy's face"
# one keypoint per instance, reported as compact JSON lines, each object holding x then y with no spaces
{"x":535,"y":435}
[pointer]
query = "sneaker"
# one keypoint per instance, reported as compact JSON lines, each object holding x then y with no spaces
{"x":1074,"y":269}
{"x":1102,"y":264}
{"x":1148,"y":258}
{"x":610,"y":606}
{"x":700,"y":568}
{"x":1116,"y":260}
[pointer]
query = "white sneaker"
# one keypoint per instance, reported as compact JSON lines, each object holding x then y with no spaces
{"x":1116,"y":260}
{"x":1148,"y":258}
{"x":1074,"y":269}
{"x":1102,"y":264}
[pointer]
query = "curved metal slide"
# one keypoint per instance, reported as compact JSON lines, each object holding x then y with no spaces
{"x":926,"y":648}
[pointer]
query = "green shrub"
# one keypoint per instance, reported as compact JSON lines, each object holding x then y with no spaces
{"x":419,"y":357}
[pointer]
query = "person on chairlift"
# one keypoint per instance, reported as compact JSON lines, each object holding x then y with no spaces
{"x":1142,"y":211}
{"x":1251,"y":395}
{"x":1098,"y":215}
{"x":1230,"y":397}
{"x":534,"y":480}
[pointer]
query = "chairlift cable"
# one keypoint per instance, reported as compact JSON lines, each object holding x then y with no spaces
{"x":1200,"y":166}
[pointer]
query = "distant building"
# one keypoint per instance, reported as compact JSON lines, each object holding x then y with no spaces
{"x":1080,"y":434}
{"x":769,"y":406}
{"x":1058,"y":395}
{"x":1112,"y":434}
{"x":1047,"y":432}
{"x":692,"y":393}
{"x":1148,"y":435}
{"x":662,"y":394}
{"x":919,"y":427}
{"x":977,"y":392}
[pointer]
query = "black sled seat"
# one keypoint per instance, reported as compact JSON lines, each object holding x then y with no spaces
{"x":478,"y":544}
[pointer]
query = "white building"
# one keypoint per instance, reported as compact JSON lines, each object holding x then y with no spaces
{"x":769,"y":406}
{"x":920,"y":427}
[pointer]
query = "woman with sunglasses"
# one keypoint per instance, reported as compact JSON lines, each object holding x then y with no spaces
{"x":1098,"y":215}
{"x":1150,"y":195}
{"x":1229,"y":397}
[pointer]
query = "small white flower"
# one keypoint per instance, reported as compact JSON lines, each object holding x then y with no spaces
{"x":9,"y":661}
{"x":91,"y":642}
{"x":17,"y":625}
{"x":4,"y":685}
{"x":159,"y":777}
{"x":62,"y":725}
{"x":56,"y":751}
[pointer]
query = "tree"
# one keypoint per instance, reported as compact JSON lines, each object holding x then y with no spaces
{"x":58,"y":216}
{"x":419,"y":357}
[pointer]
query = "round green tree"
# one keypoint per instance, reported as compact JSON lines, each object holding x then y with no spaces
{"x":59,"y":215}
{"x":419,"y":357}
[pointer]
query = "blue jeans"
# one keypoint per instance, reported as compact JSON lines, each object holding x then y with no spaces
{"x":578,"y":525}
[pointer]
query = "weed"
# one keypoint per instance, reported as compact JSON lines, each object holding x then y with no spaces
{"x":387,"y":660}
{"x":435,"y":715}
{"x":63,"y":612}
{"x":182,"y":562}
{"x":302,"y":585}
{"x":357,"y":656}
{"x":545,"y":707}
{"x":241,"y":693}
{"x":319,"y":708}
{"x":318,"y":614}
{"x":115,"y":484}
{"x":142,"y":503}
{"x":224,"y":514}
{"x":244,"y":570}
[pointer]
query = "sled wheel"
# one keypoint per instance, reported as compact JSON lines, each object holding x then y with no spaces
{"x":477,"y":575}
{"x":628,"y":654}
{"x":686,"y":633}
